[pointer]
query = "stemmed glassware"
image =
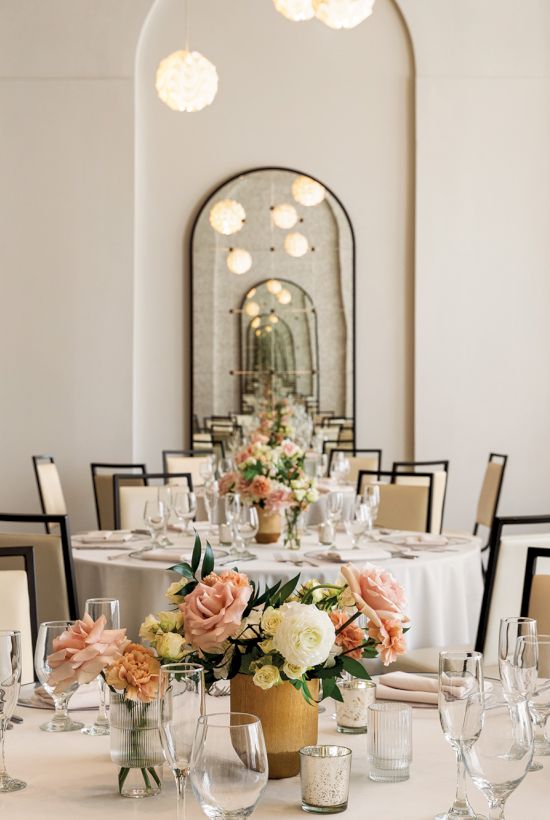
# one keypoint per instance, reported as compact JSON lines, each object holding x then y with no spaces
{"x":10,"y":683}
{"x":371,"y":497}
{"x":460,"y":678}
{"x":181,"y":696}
{"x":340,"y":468}
{"x":240,"y":518}
{"x":154,"y":517}
{"x":228,"y":764}
{"x":110,"y":608}
{"x":249,"y":523}
{"x":498,"y":759}
{"x":212,"y":502}
{"x":359,"y":522}
{"x":533,"y":665}
{"x":61,"y":722}
{"x":184,"y":507}
{"x":207,"y":470}
{"x":322,"y":465}
{"x":334,"y":509}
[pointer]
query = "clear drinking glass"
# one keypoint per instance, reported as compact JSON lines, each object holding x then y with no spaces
{"x":181,"y":696}
{"x":533,"y":670}
{"x":184,"y":506}
{"x":232,"y":517}
{"x":212,"y":504}
{"x":249,"y":523}
{"x":389,"y":741}
{"x":154,"y":517}
{"x":335,"y":506}
{"x":371,"y":497}
{"x":498,"y":758}
{"x":359,"y":522}
{"x":322,"y":465}
{"x":229,"y":764}
{"x":226,"y":465}
{"x":10,"y":683}
{"x":324,"y":776}
{"x":460,"y":677}
{"x":206,"y":470}
{"x":95,"y":608}
{"x":61,"y":722}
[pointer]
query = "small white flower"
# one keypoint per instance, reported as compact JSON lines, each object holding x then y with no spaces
{"x":271,"y":620}
{"x":305,"y":636}
{"x":267,"y":676}
{"x":292,"y":671}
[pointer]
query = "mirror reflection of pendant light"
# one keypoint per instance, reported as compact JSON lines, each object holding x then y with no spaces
{"x":252,"y":309}
{"x":284,"y":216}
{"x":296,"y":10}
{"x":296,"y":244}
{"x":227,"y":216}
{"x":186,"y":80}
{"x":307,"y":191}
{"x":284,"y":297}
{"x":274,"y":286}
{"x":342,"y":13}
{"x":239,"y":261}
{"x":256,"y":322}
{"x":251,"y":293}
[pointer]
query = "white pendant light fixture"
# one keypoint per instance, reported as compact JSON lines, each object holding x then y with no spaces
{"x":285,"y":297}
{"x":274,"y":286}
{"x":239,"y":261}
{"x":251,"y":293}
{"x":296,"y":244}
{"x":252,"y":309}
{"x":307,"y":191}
{"x":296,"y":10}
{"x":186,"y":80}
{"x":256,"y":322}
{"x":227,"y":216}
{"x":284,"y":216}
{"x":342,"y":13}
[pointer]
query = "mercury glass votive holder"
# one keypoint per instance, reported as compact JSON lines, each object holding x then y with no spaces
{"x":389,"y":741}
{"x":352,"y":713}
{"x":324,"y":775}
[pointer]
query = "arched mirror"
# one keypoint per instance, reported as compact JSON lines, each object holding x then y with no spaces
{"x":272,"y":261}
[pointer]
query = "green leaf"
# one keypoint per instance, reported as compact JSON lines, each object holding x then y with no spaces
{"x":330,"y":690}
{"x":183,"y":569}
{"x":354,"y":668}
{"x":287,"y":589}
{"x":208,"y":561}
{"x":196,"y":557}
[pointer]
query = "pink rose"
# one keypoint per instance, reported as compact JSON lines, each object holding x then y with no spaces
{"x":289,"y":448}
{"x":390,"y":639}
{"x":227,"y":482}
{"x":259,"y":438}
{"x":377,"y":594}
{"x":83,"y":651}
{"x":260,"y":486}
{"x":213,"y":611}
{"x":278,"y":499}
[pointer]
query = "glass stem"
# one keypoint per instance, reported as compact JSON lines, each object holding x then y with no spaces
{"x":61,"y":713}
{"x":496,"y":811}
{"x":461,"y":799}
{"x":3,"y":772}
{"x":102,"y":713}
{"x":181,"y":782}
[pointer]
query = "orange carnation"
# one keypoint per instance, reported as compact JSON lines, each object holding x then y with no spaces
{"x":350,"y":638}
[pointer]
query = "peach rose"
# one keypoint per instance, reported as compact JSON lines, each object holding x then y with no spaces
{"x":390,"y":639}
{"x":377,"y":594}
{"x":227,"y":482}
{"x":213,"y":611}
{"x":260,"y":486}
{"x":136,"y":673}
{"x":277,"y":499}
{"x":349,"y":638}
{"x":82,"y":651}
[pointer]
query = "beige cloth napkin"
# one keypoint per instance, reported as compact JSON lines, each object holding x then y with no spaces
{"x":168,"y":556}
{"x":105,"y":536}
{"x":425,"y":539}
{"x":409,"y":688}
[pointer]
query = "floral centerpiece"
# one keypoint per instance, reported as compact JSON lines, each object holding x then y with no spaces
{"x":276,"y":423}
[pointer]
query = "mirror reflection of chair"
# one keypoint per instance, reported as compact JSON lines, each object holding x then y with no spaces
{"x":129,"y":500}
{"x":18,"y":601}
{"x":187,"y":461}
{"x":402,"y":506}
{"x":207,"y":442}
{"x":50,"y":491}
{"x":535,"y":599}
{"x":102,"y":481}
{"x":440,"y":471}
{"x":359,"y":459}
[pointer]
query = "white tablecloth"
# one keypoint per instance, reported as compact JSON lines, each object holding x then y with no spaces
{"x":71,"y":776}
{"x":444,"y":589}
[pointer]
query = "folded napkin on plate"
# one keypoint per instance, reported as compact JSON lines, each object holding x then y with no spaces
{"x":425,"y":539}
{"x":85,"y":697}
{"x":409,"y":688}
{"x":107,"y":536}
{"x":168,"y":556}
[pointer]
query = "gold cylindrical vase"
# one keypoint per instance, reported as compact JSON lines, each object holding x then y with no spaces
{"x":270,"y":527}
{"x":288,"y":721}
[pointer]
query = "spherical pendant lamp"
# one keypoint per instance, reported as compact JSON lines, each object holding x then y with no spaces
{"x":256,"y":322}
{"x":296,"y":244}
{"x":227,"y":216}
{"x":252,"y":309}
{"x":285,"y":297}
{"x":239,"y":261}
{"x":342,"y":13}
{"x":296,"y":10}
{"x":284,"y":216}
{"x":274,"y":286}
{"x":307,"y":191}
{"x":186,"y":81}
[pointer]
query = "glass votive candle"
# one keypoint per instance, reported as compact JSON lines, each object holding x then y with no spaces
{"x":389,"y":741}
{"x":324,"y":774}
{"x":353,"y":713}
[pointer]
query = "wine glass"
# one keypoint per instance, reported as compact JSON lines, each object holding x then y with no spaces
{"x":61,"y":722}
{"x":371,"y":497}
{"x":460,"y":677}
{"x":206,"y":470}
{"x":95,"y":608}
{"x":533,"y":665}
{"x":181,"y":696}
{"x":358,"y":522}
{"x":249,"y":524}
{"x":226,"y":465}
{"x":340,"y":468}
{"x":335,"y":506}
{"x":518,"y":669}
{"x":232,"y":515}
{"x":228,"y":764}
{"x":498,"y":758}
{"x":10,"y":683}
{"x":184,"y":505}
{"x":154,"y":517}
{"x":211,"y":503}
{"x":322,"y":464}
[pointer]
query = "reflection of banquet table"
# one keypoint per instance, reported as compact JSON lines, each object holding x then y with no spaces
{"x":71,"y":775}
{"x":444,"y":589}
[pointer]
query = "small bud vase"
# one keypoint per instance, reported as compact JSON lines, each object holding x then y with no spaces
{"x":136,"y":747}
{"x":293,"y":529}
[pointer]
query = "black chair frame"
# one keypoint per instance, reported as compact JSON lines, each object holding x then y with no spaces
{"x":119,"y":477}
{"x":113,"y":468}
{"x":356,"y":451}
{"x":391,"y":474}
{"x":533,"y":554}
{"x":35,"y":462}
{"x":443,"y":463}
{"x":64,"y":532}
{"x":27,"y":554}
{"x":190,"y":453}
{"x":493,"y":457}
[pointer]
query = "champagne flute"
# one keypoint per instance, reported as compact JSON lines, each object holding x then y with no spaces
{"x":211,"y":502}
{"x":460,"y":677}
{"x":249,"y":524}
{"x":95,"y":608}
{"x":154,"y":516}
{"x":371,"y":497}
{"x":184,"y":506}
{"x":181,"y":696}
{"x":61,"y":722}
{"x":232,"y":515}
{"x":10,"y":683}
{"x":228,"y":765}
{"x":322,"y":464}
{"x":359,"y":522}
{"x":533,"y":664}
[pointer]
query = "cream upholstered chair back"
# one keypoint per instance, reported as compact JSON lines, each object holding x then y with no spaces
{"x":438,"y":498}
{"x":403,"y":507}
{"x":102,"y":480}
{"x":490,"y":490}
{"x":15,"y":614}
{"x":539,"y":603}
{"x":358,"y":463}
{"x":131,"y":500}
{"x":186,"y":464}
{"x":50,"y":489}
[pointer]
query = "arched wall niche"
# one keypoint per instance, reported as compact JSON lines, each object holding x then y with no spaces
{"x":339,"y":104}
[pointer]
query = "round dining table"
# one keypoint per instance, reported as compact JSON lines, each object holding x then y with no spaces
{"x":71,"y":776}
{"x":443,"y":584}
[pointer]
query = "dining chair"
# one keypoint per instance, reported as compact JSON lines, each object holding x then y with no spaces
{"x":206,"y":441}
{"x":535,"y":599}
{"x":102,"y":481}
{"x":402,"y":506}
{"x":18,"y":601}
{"x":491,"y":489}
{"x":359,"y":459}
{"x":186,"y":461}
{"x":129,"y":500}
{"x":440,"y":471}
{"x":55,"y":581}
{"x":50,"y":491}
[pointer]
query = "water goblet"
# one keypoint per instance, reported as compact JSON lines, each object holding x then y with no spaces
{"x":232,"y":515}
{"x":10,"y":683}
{"x":184,"y":506}
{"x":181,"y":696}
{"x":371,"y":497}
{"x":206,"y":470}
{"x":154,"y":517}
{"x":95,"y":608}
{"x":335,"y":506}
{"x":498,"y":756}
{"x":226,"y":465}
{"x":533,"y":669}
{"x":358,"y":522}
{"x":460,"y":677}
{"x":228,"y":764}
{"x":249,"y":524}
{"x":322,"y":464}
{"x":61,"y":722}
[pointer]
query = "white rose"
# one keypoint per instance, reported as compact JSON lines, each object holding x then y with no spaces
{"x":170,"y":621}
{"x":267,"y":676}
{"x":149,"y":628}
{"x":292,"y":671}
{"x":305,"y":636}
{"x":172,"y":592}
{"x":266,"y":646}
{"x":271,"y":620}
{"x":171,"y":646}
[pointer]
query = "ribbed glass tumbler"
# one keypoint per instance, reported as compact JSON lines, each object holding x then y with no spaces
{"x":389,"y":741}
{"x":136,"y":747}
